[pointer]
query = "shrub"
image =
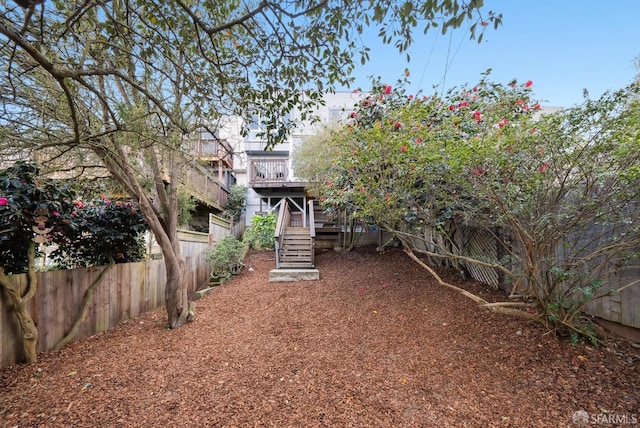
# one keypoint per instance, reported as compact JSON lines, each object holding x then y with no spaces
{"x":225,"y":258}
{"x":261,"y":234}
{"x":236,"y":202}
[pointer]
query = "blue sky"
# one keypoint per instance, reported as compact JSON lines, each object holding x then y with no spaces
{"x":563,"y":46}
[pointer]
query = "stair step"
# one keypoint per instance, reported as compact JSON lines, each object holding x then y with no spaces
{"x":296,"y":231}
{"x":300,"y":265}
{"x":296,"y":254}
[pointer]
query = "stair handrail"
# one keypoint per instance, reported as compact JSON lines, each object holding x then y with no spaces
{"x":312,"y":231}
{"x":284,"y":217}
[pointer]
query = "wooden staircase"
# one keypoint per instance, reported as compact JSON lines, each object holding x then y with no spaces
{"x":294,"y":241}
{"x":296,"y":250}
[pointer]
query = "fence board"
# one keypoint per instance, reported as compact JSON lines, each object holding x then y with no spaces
{"x":126,"y":291}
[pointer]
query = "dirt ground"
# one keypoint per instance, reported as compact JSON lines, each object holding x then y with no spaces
{"x":374,"y":343}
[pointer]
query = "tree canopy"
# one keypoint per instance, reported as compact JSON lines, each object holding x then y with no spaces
{"x":554,"y":197}
{"x":118,"y":86}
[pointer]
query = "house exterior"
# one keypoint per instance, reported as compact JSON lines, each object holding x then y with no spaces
{"x":268,"y":174}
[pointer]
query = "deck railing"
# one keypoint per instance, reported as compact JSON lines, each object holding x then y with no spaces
{"x":204,"y":187}
{"x":268,"y":170}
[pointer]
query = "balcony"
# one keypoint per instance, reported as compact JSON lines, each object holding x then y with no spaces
{"x":214,"y":150}
{"x":203,"y":187}
{"x":272,"y":174}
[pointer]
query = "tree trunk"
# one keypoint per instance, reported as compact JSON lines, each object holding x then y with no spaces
{"x":29,"y":337}
{"x":18,"y":303}
{"x":162,"y":221}
{"x":176,"y":297}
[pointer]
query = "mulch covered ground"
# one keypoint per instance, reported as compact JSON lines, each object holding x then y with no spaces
{"x":374,"y":343}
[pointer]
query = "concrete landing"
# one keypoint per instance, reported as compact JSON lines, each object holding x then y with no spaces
{"x":288,"y":275}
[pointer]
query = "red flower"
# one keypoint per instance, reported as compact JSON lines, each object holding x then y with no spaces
{"x":353,"y":115}
{"x":502,"y":123}
{"x":418,"y":140}
{"x":403,"y":149}
{"x":477,"y":116}
{"x":537,"y":106}
{"x":3,"y":202}
{"x":528,"y":84}
{"x":543,"y":167}
{"x":477,"y":172}
{"x":362,"y":189}
{"x":397,"y":125}
{"x":387,"y":89}
{"x":452,"y":107}
{"x":410,"y":97}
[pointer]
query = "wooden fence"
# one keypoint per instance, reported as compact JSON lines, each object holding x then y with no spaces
{"x":126,"y":291}
{"x":622,"y":307}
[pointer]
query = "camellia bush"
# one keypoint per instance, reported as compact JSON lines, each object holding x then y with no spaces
{"x":100,"y":232}
{"x":558,"y":194}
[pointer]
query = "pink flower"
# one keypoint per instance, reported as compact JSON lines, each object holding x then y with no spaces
{"x":477,"y":172}
{"x":418,"y":140}
{"x":528,"y":84}
{"x":55,"y":214}
{"x":452,"y":107}
{"x":410,"y":97}
{"x":477,"y":116}
{"x":397,"y":125}
{"x":502,"y":123}
{"x":3,"y":202}
{"x":543,"y":167}
{"x":403,"y":149}
{"x":387,"y":89}
{"x":537,"y":106}
{"x":353,"y":115}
